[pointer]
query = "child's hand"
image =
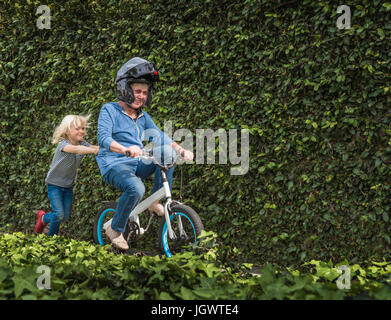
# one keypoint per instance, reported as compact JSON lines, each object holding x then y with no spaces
{"x":96,"y":149}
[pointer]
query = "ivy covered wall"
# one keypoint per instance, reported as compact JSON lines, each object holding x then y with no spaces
{"x":315,"y":99}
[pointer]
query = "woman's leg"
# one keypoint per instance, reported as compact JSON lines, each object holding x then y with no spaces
{"x":127,"y":178}
{"x":164,"y":155}
{"x":123,"y":178}
{"x":146,"y":168}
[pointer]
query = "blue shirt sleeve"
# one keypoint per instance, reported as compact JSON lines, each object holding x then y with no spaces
{"x":105,"y":127}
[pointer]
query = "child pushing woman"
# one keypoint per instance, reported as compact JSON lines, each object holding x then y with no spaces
{"x":62,"y":174}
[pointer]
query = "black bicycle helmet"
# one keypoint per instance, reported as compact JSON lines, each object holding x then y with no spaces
{"x":136,"y":70}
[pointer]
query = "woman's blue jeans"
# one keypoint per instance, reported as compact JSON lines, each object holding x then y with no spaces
{"x":61,"y":202}
{"x":128,"y":179}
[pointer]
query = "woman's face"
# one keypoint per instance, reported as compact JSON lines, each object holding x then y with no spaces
{"x":140,"y":91}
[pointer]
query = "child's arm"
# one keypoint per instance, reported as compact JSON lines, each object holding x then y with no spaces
{"x":95,"y":147}
{"x":81,"y":149}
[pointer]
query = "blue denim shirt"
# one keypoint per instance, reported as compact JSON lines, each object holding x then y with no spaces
{"x":115,"y":124}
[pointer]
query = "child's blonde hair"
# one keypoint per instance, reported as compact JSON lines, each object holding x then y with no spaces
{"x":61,"y":131}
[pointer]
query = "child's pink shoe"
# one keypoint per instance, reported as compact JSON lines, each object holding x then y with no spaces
{"x":40,"y":224}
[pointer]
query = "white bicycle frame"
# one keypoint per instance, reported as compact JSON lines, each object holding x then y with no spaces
{"x":164,"y":191}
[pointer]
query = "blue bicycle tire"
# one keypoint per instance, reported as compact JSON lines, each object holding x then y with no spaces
{"x":193,"y":226}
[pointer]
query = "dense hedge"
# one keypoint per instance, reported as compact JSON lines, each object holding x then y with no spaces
{"x":78,"y":270}
{"x":316,"y":100}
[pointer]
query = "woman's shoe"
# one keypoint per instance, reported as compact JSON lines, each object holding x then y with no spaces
{"x":117,"y":239}
{"x":156,"y":207}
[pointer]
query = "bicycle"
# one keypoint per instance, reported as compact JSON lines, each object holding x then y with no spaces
{"x":179,"y":228}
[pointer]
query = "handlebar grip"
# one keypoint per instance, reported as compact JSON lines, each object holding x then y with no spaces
{"x":149,"y":153}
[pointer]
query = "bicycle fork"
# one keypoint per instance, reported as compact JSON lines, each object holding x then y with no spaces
{"x":167,"y":191}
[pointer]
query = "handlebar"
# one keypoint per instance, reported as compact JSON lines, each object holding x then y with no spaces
{"x":148,"y":155}
{"x":145,"y":154}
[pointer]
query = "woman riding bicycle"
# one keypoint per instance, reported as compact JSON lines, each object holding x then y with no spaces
{"x":122,"y":126}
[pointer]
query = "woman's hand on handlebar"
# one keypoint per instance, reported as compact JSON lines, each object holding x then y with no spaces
{"x":187,"y":155}
{"x":133,"y":151}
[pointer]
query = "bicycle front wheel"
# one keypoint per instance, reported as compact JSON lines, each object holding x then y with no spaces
{"x":187,"y":227}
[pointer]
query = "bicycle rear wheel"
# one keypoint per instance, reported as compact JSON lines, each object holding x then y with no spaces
{"x":187,"y":226}
{"x":105,"y":213}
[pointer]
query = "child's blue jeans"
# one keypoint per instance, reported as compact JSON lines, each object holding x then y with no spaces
{"x":61,"y":202}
